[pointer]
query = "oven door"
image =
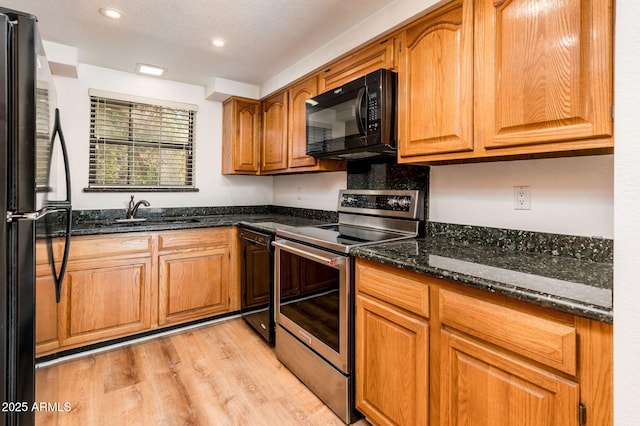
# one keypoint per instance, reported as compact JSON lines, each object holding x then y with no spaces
{"x":312,"y":299}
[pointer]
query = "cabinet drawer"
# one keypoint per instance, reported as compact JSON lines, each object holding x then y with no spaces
{"x":393,"y":286}
{"x":545,"y":340}
{"x":194,"y":238}
{"x":109,"y":245}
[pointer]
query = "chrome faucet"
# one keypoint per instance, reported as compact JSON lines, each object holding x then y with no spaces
{"x":133,"y":207}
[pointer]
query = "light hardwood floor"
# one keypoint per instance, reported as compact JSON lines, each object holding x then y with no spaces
{"x":220,"y":374}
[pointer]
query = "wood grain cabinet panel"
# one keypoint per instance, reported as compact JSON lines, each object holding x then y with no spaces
{"x":481,"y":386}
{"x":275,"y":147}
{"x":240,"y":136}
{"x":544,"y":73}
{"x":551,"y":342}
{"x":46,"y":318}
{"x":298,"y":95}
{"x":105,"y":299}
{"x":392,"y":364}
{"x":435,"y":93}
{"x":193,"y":285}
{"x":381,"y":54}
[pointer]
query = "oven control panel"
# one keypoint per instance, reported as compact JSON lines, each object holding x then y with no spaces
{"x":384,"y":203}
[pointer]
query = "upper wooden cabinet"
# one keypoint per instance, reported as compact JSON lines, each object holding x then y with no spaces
{"x":541,"y":80}
{"x":275,"y":148}
{"x":298,"y":96}
{"x":544,"y":74}
{"x":381,"y":54}
{"x":435,"y":91}
{"x":240,"y":136}
{"x":284,"y":130}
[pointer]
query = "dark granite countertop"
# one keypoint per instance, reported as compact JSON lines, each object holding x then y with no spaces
{"x":264,"y":222}
{"x":571,"y":285}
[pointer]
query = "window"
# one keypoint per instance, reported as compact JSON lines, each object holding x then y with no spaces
{"x":139,"y":145}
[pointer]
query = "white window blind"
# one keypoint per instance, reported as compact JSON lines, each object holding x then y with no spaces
{"x":135,"y":145}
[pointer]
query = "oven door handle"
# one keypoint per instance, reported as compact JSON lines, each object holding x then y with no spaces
{"x":309,"y":252}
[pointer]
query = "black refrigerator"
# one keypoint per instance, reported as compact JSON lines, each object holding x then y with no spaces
{"x":35,"y":199}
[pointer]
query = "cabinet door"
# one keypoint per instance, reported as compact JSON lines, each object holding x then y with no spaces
{"x":380,"y":54}
{"x":481,"y":386}
{"x":274,"y":131}
{"x":46,"y":315}
{"x":298,"y":96}
{"x":436,"y":84}
{"x":241,"y":136}
{"x":106,"y":298}
{"x":392,"y":364}
{"x":193,"y":285}
{"x":544,"y":73}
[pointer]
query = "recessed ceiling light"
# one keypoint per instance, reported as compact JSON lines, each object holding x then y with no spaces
{"x":217,"y":42}
{"x":149,"y":69}
{"x":110,"y":12}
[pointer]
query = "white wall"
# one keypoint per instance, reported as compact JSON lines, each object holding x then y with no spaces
{"x":312,"y":191}
{"x":571,"y":196}
{"x":215,"y":189}
{"x":627,"y":216}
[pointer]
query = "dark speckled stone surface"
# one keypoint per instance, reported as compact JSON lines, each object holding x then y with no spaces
{"x":96,"y":222}
{"x":567,"y":284}
{"x":567,"y":273}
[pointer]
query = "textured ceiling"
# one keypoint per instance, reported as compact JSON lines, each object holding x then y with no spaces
{"x":263,"y":36}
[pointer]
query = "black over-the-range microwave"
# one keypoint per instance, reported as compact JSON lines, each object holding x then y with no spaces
{"x":356,"y":120}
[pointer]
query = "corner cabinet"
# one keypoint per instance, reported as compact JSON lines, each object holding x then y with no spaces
{"x":430,"y":351}
{"x":241,"y":136}
{"x":481,"y":79}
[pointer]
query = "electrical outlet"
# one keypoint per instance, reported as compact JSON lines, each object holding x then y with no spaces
{"x":521,"y":198}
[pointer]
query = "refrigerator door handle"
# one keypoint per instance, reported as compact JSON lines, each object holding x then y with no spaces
{"x":53,"y":208}
{"x":66,"y":205}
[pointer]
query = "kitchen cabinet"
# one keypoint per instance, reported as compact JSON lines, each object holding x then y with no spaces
{"x":392,"y":347}
{"x":240,"y":136}
{"x":435,"y":84}
{"x":275,"y":146}
{"x":106,"y":291}
{"x":122,"y":284}
{"x":284,"y":143}
{"x":484,"y":386}
{"x":380,"y":54}
{"x":544,"y":75}
{"x":488,"y":359}
{"x":46,"y":318}
{"x":195,"y":275}
{"x":484,"y":381}
{"x":536,"y":81}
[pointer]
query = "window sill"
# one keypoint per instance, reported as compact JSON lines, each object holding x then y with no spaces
{"x":140,"y":189}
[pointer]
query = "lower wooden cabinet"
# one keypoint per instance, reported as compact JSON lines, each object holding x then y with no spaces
{"x":46,"y":315}
{"x":392,"y":367}
{"x":105,"y":299}
{"x":430,"y":351}
{"x":122,"y":284}
{"x":193,"y":285}
{"x":481,"y":385}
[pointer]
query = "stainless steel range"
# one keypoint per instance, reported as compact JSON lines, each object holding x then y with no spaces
{"x":315,"y":288}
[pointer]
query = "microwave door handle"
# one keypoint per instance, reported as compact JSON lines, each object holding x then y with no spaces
{"x":360,"y":120}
